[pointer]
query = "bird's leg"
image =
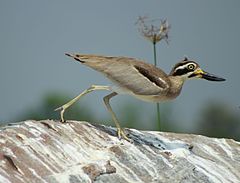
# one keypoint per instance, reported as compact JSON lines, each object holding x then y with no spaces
{"x":71,"y":102}
{"x":120,"y":131}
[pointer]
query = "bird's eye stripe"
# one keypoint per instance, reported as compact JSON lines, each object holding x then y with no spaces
{"x":186,"y":65}
{"x":181,"y":67}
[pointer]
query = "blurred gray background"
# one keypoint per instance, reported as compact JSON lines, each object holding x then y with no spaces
{"x":34,"y":35}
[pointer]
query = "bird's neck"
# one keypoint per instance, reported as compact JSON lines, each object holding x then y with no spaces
{"x":176,"y":85}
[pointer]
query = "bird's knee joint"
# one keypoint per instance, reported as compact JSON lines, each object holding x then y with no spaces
{"x":105,"y":99}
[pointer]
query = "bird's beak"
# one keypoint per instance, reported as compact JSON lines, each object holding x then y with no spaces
{"x":199,"y":73}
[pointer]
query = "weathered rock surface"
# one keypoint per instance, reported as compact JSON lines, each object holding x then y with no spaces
{"x":50,"y":151}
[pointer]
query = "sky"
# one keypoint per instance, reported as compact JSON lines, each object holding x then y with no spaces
{"x":34,"y":35}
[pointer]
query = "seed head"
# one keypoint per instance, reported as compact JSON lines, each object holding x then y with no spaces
{"x":152,"y":31}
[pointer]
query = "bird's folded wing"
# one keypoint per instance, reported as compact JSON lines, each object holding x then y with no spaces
{"x":139,"y":77}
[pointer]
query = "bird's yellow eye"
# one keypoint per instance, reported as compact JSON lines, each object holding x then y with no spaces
{"x":191,"y":67}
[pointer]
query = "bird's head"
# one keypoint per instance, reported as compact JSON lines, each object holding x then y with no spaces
{"x":188,"y":69}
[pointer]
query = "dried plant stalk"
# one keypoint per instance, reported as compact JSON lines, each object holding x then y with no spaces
{"x":154,"y":33}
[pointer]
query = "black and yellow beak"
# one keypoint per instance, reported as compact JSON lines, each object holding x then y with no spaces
{"x":199,"y":73}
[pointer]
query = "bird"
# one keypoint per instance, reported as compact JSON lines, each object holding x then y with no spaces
{"x":137,"y":78}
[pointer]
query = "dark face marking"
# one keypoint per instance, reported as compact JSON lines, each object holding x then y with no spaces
{"x":180,"y":64}
{"x":180,"y":72}
{"x":150,"y":76}
{"x":179,"y":69}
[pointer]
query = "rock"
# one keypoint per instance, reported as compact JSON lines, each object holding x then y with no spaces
{"x":51,"y":151}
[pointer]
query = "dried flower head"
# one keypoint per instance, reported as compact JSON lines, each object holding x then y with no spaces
{"x":151,"y":31}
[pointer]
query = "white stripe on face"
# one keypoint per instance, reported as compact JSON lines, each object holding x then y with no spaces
{"x":186,"y":65}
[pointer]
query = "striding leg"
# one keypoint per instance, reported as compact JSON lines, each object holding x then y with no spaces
{"x":71,"y":102}
{"x":120,"y":131}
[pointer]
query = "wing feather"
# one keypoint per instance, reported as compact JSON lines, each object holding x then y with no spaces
{"x":139,"y":77}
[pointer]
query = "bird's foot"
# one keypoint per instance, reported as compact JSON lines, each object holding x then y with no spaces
{"x":122,"y":135}
{"x":62,"y":109}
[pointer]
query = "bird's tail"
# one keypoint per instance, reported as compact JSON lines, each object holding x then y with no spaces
{"x":89,"y":59}
{"x":77,"y":57}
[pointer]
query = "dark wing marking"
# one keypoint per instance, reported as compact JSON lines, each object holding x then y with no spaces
{"x":153,"y":78}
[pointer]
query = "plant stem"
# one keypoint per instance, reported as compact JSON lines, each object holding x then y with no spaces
{"x":158,"y":107}
{"x":154,"y":54}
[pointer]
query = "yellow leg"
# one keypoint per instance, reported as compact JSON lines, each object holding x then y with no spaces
{"x":120,"y":131}
{"x":71,"y":102}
